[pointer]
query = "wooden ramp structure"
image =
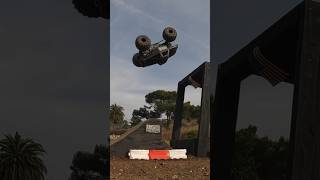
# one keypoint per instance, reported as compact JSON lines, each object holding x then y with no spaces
{"x":288,"y":51}
{"x":200,"y":146}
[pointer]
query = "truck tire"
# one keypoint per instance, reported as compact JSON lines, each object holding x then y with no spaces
{"x":169,"y":34}
{"x":136,"y":61}
{"x":143,"y":42}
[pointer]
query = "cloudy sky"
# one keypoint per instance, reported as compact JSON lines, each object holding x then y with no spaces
{"x":130,"y":18}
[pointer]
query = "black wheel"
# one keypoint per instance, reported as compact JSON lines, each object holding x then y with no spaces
{"x":169,"y":34}
{"x":136,"y":61}
{"x":143,"y":42}
{"x":162,"y":61}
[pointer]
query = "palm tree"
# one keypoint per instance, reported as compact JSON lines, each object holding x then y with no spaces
{"x":21,"y":158}
{"x":116,"y":114}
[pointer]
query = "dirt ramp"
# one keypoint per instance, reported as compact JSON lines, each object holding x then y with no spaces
{"x":139,"y":138}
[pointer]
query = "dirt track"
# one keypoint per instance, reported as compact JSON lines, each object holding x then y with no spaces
{"x":189,"y":169}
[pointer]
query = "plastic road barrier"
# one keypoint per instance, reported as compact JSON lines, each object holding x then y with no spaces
{"x":178,"y":154}
{"x":139,"y":154}
{"x":157,"y":154}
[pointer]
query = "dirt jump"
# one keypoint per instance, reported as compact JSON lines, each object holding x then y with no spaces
{"x":138,"y":138}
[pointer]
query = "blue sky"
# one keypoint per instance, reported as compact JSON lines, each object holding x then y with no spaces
{"x":130,"y":18}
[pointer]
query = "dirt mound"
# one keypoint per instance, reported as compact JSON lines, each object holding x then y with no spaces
{"x":191,"y":168}
{"x":139,"y":139}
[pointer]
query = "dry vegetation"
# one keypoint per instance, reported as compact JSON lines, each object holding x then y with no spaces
{"x":189,"y":129}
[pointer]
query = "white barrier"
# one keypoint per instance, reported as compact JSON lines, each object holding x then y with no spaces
{"x":139,"y":154}
{"x":144,"y":154}
{"x":178,"y":154}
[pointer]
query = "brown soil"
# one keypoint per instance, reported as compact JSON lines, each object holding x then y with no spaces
{"x":191,"y":168}
{"x":118,"y":131}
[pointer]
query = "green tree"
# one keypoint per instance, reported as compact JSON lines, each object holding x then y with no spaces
{"x":146,"y":113}
{"x":138,"y":115}
{"x":154,"y":114}
{"x":21,"y":158}
{"x":259,"y":158}
{"x":163,"y":102}
{"x":243,"y":162}
{"x":125,"y":124}
{"x":142,"y":113}
{"x":89,"y":166}
{"x":135,"y":120}
{"x":116,"y":114}
{"x":190,"y":111}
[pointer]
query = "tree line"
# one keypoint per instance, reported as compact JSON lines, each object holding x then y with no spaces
{"x":259,"y":158}
{"x":159,"y":103}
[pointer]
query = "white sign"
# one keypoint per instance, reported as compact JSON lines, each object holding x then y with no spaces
{"x":153,"y":128}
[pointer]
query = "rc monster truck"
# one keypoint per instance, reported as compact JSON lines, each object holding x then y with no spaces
{"x":157,"y":53}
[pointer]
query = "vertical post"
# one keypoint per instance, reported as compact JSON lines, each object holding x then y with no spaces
{"x":105,"y":169}
{"x":295,"y":95}
{"x":178,"y":113}
{"x":306,"y":152}
{"x":204,"y":123}
{"x":224,"y":123}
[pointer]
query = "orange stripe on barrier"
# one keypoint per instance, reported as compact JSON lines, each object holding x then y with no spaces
{"x":159,"y":154}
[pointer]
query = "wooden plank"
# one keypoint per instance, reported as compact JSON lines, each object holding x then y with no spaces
{"x":178,"y":113}
{"x":306,"y":153}
{"x":224,"y":123}
{"x":203,"y":132}
{"x":198,"y":70}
